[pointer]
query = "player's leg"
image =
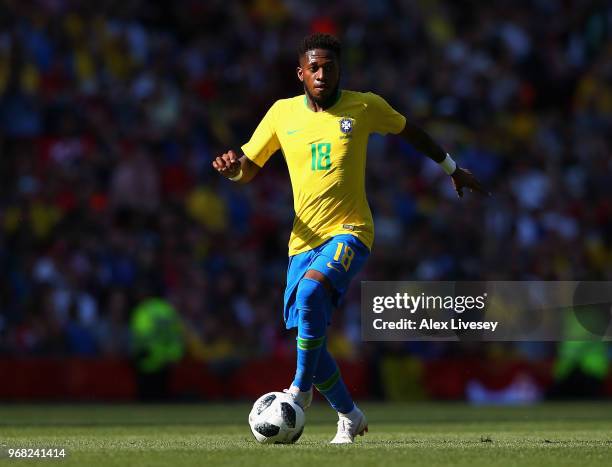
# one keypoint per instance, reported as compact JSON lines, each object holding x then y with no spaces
{"x":339,"y":261}
{"x":309,"y":300}
{"x":328,"y":381}
{"x":313,"y":305}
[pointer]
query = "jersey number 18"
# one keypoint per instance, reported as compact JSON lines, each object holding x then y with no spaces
{"x":321,"y":159}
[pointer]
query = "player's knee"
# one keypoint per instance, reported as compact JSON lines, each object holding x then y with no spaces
{"x":313,"y":304}
{"x":311,"y":295}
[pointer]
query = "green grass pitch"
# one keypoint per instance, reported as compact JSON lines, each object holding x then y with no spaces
{"x":424,"y":434}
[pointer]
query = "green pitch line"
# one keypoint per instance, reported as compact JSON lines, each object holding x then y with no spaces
{"x":400,"y":435}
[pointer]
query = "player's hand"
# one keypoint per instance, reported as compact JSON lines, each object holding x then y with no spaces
{"x":463,"y":178}
{"x":227,"y":164}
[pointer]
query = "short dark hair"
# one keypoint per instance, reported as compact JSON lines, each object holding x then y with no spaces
{"x":319,"y":40}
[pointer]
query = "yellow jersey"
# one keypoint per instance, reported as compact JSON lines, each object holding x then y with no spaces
{"x":326,"y":157}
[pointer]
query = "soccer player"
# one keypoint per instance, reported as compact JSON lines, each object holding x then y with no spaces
{"x":323,"y":136}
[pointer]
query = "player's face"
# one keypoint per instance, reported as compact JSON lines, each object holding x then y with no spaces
{"x":320,"y":72}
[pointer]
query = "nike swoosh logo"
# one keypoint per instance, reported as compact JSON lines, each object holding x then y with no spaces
{"x":290,"y":132}
{"x":331,"y":266}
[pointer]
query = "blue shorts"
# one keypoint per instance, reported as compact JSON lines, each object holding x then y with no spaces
{"x":339,"y":259}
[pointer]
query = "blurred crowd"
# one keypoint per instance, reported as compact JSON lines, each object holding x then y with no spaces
{"x":111,"y":113}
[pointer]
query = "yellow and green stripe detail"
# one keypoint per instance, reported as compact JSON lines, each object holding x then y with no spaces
{"x":310,"y":344}
{"x":329,"y":382}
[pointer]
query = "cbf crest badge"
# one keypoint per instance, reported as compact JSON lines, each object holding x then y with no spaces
{"x":346,"y":125}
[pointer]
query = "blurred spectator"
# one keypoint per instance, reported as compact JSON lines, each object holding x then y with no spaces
{"x":158,"y":343}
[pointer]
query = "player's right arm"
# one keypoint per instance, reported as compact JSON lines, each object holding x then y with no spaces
{"x":257,"y":151}
{"x":231,"y":166}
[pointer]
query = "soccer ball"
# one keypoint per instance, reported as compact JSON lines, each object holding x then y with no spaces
{"x":276,"y":418}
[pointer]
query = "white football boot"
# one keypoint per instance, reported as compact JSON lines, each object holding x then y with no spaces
{"x":301,"y":398}
{"x":350,"y":425}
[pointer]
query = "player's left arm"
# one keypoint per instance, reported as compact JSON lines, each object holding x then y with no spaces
{"x":422,"y":142}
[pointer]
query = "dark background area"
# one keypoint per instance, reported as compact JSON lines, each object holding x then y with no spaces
{"x":111,"y":113}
